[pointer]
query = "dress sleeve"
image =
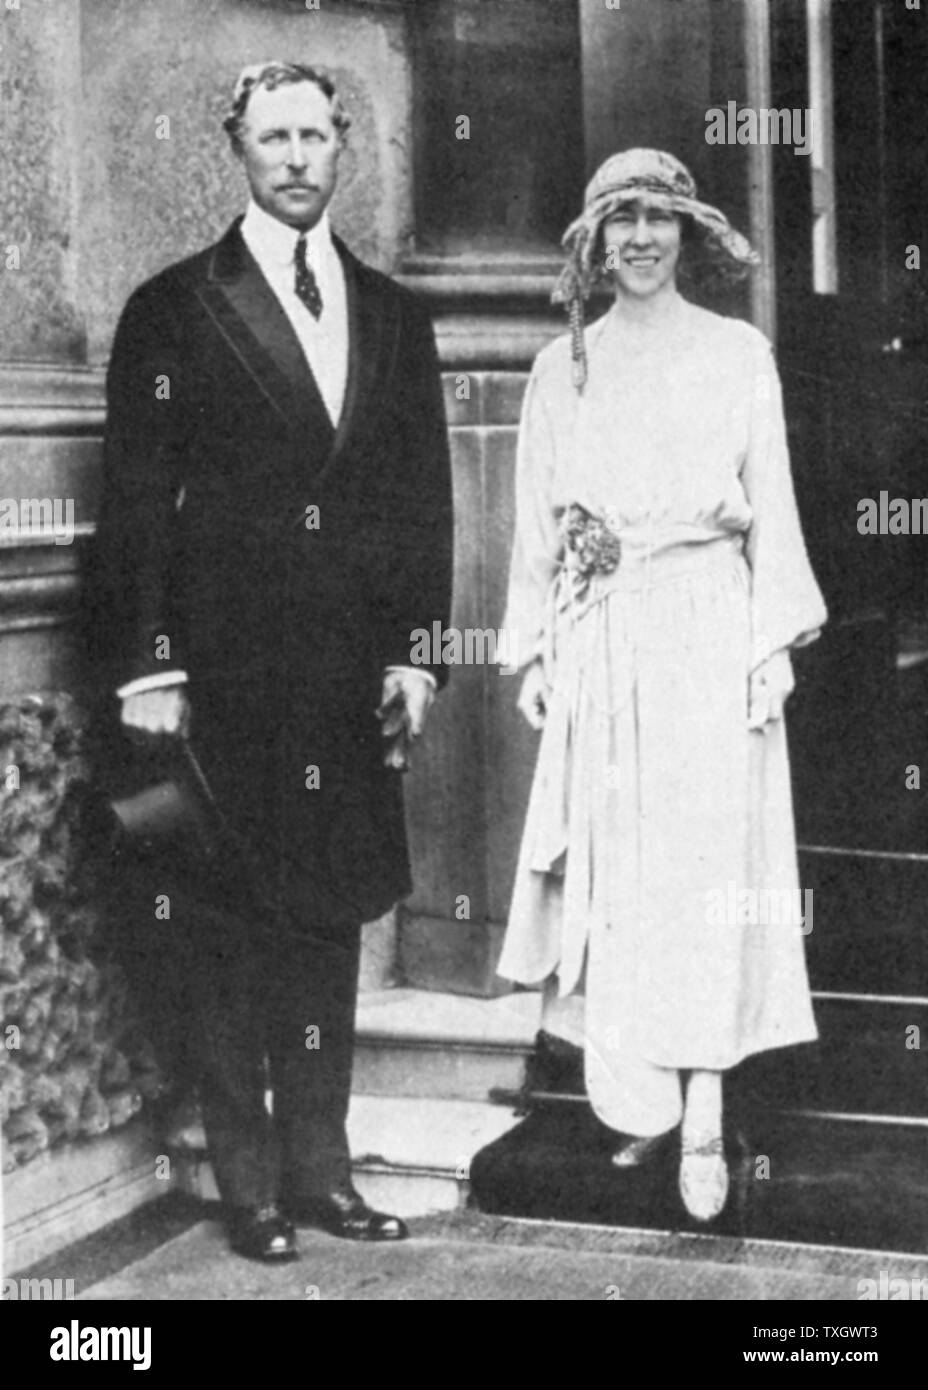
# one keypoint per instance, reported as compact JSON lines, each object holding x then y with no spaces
{"x":787,"y":608}
{"x":537,"y":544}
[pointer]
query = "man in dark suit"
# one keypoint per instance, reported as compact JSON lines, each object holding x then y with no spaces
{"x":275,"y":521}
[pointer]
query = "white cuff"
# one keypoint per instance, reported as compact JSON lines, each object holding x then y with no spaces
{"x":145,"y":683}
{"x":416,"y":671}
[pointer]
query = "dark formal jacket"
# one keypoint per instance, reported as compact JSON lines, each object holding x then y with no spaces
{"x":218,"y":446}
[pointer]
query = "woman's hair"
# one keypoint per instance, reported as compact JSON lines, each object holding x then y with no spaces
{"x":270,"y":76}
{"x":703,"y":262}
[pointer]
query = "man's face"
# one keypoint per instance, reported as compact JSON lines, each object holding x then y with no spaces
{"x":642,"y":247}
{"x":290,"y":147}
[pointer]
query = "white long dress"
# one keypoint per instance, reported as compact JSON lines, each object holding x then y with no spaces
{"x":651,"y":797}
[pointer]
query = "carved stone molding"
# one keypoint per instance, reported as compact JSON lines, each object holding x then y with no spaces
{"x":37,"y":399}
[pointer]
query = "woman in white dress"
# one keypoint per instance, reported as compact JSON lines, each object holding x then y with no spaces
{"x":658,"y":582}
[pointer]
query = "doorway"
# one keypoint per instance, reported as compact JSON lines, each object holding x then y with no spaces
{"x":851,"y":227}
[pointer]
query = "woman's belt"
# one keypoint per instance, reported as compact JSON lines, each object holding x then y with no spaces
{"x":647,"y":560}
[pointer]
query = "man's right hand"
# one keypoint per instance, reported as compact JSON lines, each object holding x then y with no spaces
{"x":162,"y":711}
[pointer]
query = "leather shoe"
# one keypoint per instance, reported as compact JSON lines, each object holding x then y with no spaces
{"x":344,"y":1212}
{"x":262,"y":1234}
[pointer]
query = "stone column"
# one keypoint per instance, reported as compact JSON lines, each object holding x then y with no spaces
{"x":646,"y":77}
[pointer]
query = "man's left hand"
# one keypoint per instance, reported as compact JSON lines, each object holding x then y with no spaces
{"x":405,"y":702}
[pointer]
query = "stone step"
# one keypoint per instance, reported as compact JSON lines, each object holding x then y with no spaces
{"x":417,"y":1043}
{"x":869,"y":1061}
{"x":410,"y":1156}
{"x":71,"y":1192}
{"x":413,"y":1156}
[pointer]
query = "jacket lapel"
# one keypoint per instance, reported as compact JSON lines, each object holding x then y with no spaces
{"x":248,"y":315}
{"x":372,"y":331}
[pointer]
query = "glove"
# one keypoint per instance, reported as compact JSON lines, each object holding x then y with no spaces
{"x":406,"y":699}
{"x":165,"y":710}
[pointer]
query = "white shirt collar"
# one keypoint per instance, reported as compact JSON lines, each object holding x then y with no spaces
{"x":276,"y":241}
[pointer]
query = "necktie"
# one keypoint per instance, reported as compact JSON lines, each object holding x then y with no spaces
{"x":305,"y":286}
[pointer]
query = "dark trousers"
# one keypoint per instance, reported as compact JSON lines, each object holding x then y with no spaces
{"x":261,"y":1007}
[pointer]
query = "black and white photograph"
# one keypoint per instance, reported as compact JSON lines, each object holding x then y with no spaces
{"x":464,"y":663}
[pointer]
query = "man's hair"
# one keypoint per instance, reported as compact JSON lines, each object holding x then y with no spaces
{"x":275,"y":74}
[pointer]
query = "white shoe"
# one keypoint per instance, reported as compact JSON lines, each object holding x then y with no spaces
{"x":703,"y":1178}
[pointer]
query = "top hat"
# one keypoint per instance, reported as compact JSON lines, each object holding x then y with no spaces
{"x":174,"y":808}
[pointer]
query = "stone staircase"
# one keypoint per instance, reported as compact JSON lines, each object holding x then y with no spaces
{"x":440,"y":1078}
{"x":437,"y":1077}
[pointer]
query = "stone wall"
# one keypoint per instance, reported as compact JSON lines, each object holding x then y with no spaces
{"x":40,"y":83}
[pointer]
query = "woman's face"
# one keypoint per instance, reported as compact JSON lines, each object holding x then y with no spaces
{"x":642,"y":248}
